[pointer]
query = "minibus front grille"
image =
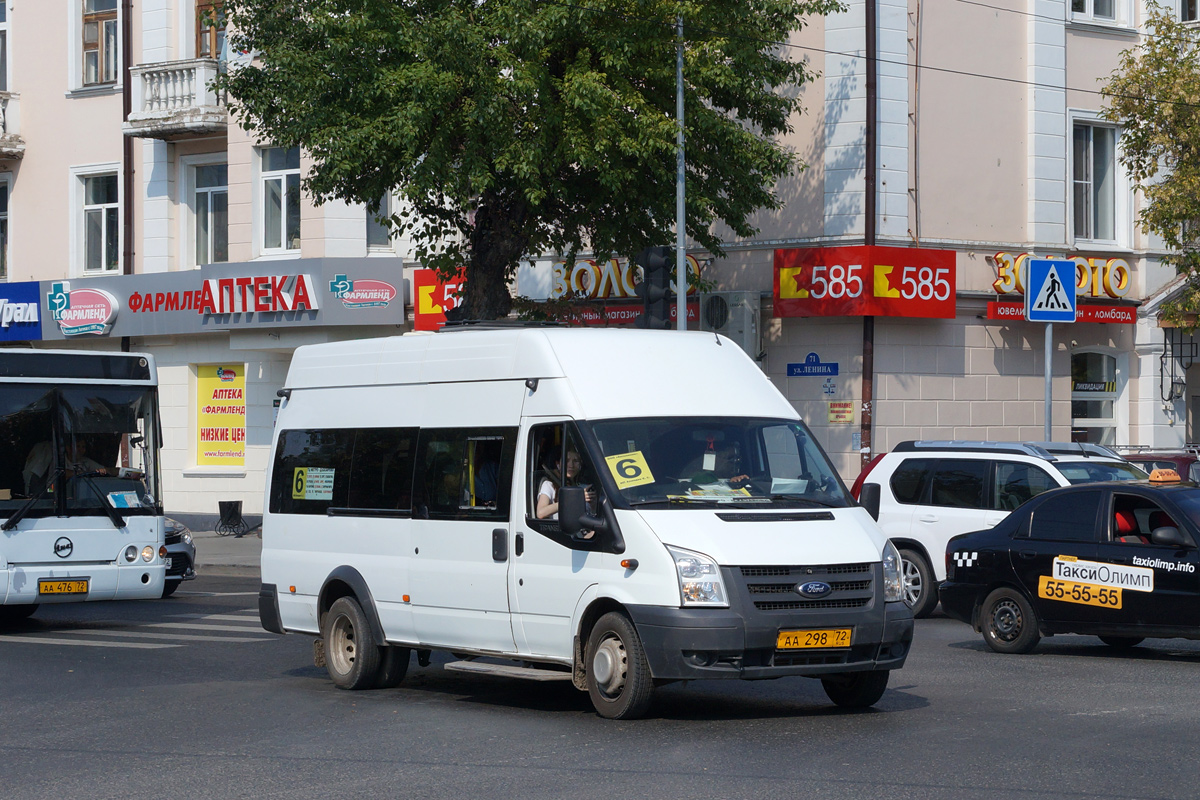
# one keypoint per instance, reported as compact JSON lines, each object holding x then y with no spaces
{"x":809,"y":605}
{"x":805,"y":572}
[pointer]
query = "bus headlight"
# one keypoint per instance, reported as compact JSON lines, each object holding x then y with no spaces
{"x":131,"y":553}
{"x":147,"y":553}
{"x":700,"y":582}
{"x":893,"y":583}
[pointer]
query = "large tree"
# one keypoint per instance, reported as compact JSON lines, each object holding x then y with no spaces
{"x":518,"y":127}
{"x":1155,"y":96}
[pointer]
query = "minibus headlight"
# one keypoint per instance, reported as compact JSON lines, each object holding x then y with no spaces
{"x":893,"y":584}
{"x":700,"y":582}
{"x":147,"y":553}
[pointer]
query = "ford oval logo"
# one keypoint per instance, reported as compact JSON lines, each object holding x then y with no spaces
{"x":813,"y":589}
{"x":63,"y":547}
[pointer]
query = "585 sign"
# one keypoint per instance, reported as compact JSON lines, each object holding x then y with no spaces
{"x":864,"y":281}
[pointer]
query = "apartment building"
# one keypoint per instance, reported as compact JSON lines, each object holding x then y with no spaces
{"x":891,"y":281}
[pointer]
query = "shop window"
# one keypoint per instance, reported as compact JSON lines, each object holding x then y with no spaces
{"x":1093,"y":398}
{"x":210,"y":29}
{"x":379,"y":233}
{"x":280,"y":198}
{"x":101,"y":224}
{"x":211,"y":205}
{"x":99,"y":42}
{"x":1094,"y":182}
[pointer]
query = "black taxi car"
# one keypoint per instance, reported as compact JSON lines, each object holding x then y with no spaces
{"x":1114,"y":560}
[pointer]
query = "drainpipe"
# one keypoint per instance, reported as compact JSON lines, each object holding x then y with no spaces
{"x":127,"y":166}
{"x":871,"y":173}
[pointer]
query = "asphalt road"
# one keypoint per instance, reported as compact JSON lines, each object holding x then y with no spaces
{"x":188,"y":697}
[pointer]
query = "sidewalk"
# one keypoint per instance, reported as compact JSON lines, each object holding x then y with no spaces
{"x":227,"y":551}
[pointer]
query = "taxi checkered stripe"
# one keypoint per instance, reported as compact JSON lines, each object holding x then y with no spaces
{"x":965,"y":559}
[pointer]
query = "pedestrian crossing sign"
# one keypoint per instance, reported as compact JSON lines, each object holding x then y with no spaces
{"x":1050,"y":290}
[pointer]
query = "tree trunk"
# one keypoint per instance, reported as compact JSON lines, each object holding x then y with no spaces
{"x":498,"y":241}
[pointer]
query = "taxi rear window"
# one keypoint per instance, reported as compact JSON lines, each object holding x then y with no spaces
{"x":1067,"y":517}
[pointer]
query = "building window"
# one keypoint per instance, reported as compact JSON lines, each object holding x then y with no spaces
{"x":1094,"y":9}
{"x":210,"y":28}
{"x":3,"y":47}
{"x":378,"y":233}
{"x":1187,"y":10}
{"x":99,"y":42}
{"x":1094,"y":168}
{"x":280,"y":199}
{"x":101,"y":223}
{"x":212,"y":213}
{"x":3,"y":230}
{"x":1093,"y":398}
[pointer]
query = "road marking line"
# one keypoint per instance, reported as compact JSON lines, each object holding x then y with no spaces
{"x":193,"y":627}
{"x":42,"y":640}
{"x":171,"y":636}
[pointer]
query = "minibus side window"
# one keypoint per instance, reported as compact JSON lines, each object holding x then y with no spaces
{"x":552,"y":447}
{"x":381,"y":473}
{"x":311,"y":471}
{"x":464,"y":473}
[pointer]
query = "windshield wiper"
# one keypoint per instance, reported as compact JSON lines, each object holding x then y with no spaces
{"x":20,"y":513}
{"x":108,"y":507}
{"x":666,"y":501}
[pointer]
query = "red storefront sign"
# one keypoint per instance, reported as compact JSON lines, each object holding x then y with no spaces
{"x":432,"y":298}
{"x":865,"y":281}
{"x":1085,"y":313}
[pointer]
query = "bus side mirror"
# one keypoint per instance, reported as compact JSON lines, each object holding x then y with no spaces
{"x":868,"y":498}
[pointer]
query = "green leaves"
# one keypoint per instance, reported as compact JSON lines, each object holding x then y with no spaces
{"x":1155,"y":96}
{"x":516,"y":127}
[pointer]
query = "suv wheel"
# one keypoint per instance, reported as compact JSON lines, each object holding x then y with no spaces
{"x":920,"y":587}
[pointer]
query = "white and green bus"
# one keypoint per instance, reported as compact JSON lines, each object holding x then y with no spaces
{"x":81,"y":514}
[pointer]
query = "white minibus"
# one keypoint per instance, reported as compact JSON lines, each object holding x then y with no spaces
{"x":616,"y":508}
{"x":81,"y":512}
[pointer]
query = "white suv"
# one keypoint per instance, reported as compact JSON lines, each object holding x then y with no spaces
{"x":930,"y":491}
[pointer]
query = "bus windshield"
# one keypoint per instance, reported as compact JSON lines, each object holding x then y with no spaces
{"x":753,"y":463}
{"x":78,"y":449}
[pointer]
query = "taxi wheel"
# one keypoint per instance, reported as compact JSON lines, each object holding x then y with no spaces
{"x":351,"y":655}
{"x":920,"y":587}
{"x":856,"y":689}
{"x":618,"y":676}
{"x":1009,"y":622}
{"x":393,"y":666}
{"x":1122,"y":642}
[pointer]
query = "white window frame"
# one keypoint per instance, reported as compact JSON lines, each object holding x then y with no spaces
{"x":187,"y":205}
{"x":75,"y":84}
{"x":1122,"y":188}
{"x":261,"y":176}
{"x":76,"y":194}
{"x":1181,"y":8}
{"x":390,"y":247}
{"x":1123,"y":14}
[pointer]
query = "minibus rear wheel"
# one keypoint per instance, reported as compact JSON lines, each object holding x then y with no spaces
{"x":351,"y":655}
{"x":618,"y":677}
{"x":393,"y":666}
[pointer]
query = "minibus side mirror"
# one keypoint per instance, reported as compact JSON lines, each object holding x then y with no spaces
{"x":574,"y":519}
{"x":868,"y":498}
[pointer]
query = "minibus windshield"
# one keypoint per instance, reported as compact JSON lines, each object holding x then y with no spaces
{"x":728,"y":461}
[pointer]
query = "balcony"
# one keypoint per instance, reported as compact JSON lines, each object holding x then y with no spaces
{"x":174,"y":99}
{"x":11,"y":143}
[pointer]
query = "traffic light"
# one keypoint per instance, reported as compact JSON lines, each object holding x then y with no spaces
{"x":655,"y":288}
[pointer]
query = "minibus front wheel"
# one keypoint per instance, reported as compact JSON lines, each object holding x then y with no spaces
{"x":351,"y":655}
{"x":618,"y":676}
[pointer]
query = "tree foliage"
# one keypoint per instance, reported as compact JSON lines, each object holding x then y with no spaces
{"x":1155,"y":96}
{"x":516,"y":127}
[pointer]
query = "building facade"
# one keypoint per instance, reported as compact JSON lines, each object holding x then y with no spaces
{"x":889,"y":284}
